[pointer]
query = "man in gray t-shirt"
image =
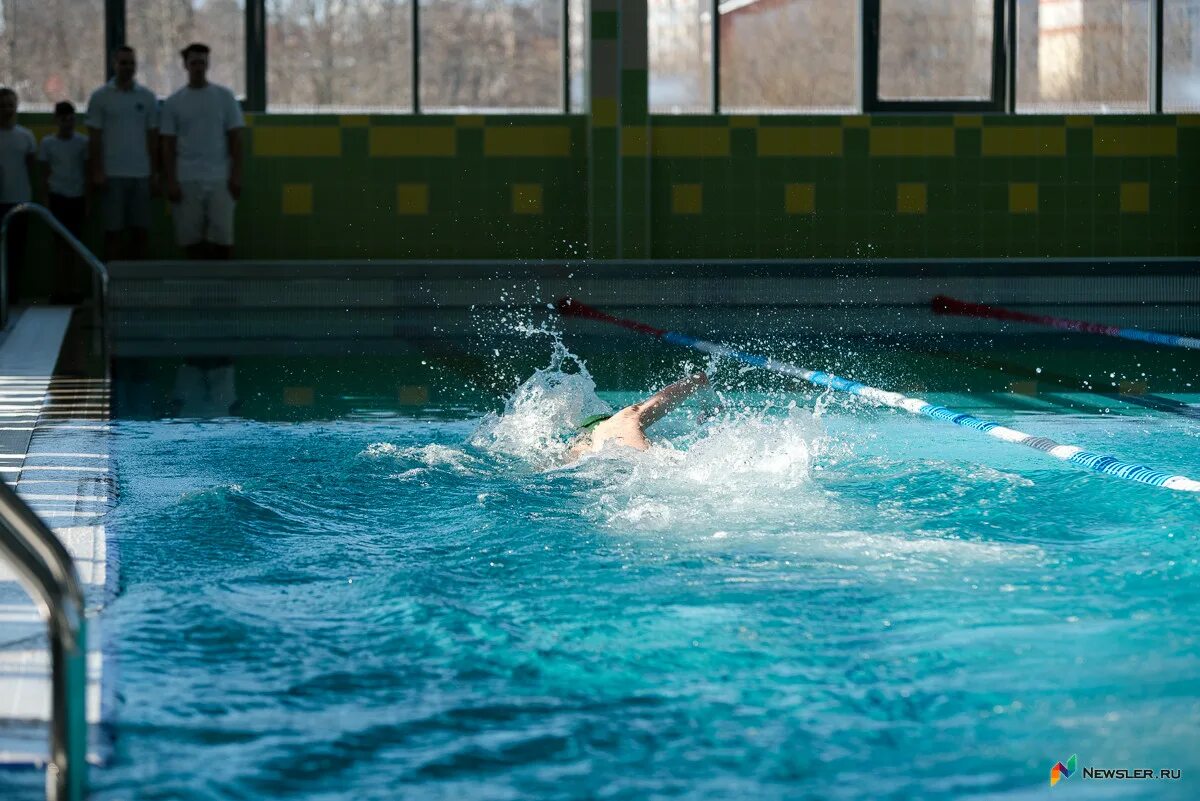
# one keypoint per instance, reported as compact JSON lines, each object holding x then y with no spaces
{"x":123,"y":141}
{"x":202,"y":159}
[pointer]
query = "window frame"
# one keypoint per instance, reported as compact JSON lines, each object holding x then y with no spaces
{"x":998,"y":102}
{"x":1004,"y":61}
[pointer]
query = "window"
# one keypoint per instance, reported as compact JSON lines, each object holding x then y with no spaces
{"x":680,"y":56}
{"x":480,"y":55}
{"x":159,"y":29}
{"x":333,"y":55}
{"x":789,"y":55}
{"x":51,"y":50}
{"x":1181,"y":56}
{"x":938,"y":50}
{"x":1083,"y":55}
{"x":577,"y":17}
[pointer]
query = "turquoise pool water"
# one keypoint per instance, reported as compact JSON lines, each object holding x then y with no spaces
{"x":774,"y":603}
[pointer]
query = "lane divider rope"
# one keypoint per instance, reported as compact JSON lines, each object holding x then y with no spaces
{"x":943,"y":304}
{"x":1100,"y":463}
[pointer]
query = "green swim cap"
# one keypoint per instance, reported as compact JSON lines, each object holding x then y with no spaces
{"x":592,"y":421}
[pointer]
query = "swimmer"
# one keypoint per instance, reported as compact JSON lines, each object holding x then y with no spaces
{"x":628,"y":426}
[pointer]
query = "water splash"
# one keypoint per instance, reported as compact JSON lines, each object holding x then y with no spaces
{"x":749,"y":465}
{"x":541,"y":416}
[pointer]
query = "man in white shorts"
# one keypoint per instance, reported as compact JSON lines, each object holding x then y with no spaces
{"x":202,"y":159}
{"x":122,"y":121}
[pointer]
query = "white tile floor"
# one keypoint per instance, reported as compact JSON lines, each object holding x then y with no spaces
{"x":54,"y":450}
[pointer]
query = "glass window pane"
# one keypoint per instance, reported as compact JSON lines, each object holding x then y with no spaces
{"x":1083,"y":55}
{"x":332,"y":55}
{"x":680,"y":56}
{"x":579,"y":31}
{"x":1181,"y":56}
{"x":481,"y":55}
{"x":935,"y":49}
{"x":789,"y":55}
{"x":159,"y":29}
{"x":35,"y":58}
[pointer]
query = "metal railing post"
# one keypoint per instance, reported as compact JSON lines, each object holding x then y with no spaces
{"x":99,"y":271}
{"x":48,"y":573}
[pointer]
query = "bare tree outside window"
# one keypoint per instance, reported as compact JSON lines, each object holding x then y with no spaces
{"x":482,"y":55}
{"x":577,"y":12}
{"x":51,"y":50}
{"x":1084,"y":56}
{"x":680,"y":56}
{"x":339,"y":55}
{"x":789,"y":55}
{"x":936,"y":49}
{"x":1181,"y":56}
{"x":159,"y":29}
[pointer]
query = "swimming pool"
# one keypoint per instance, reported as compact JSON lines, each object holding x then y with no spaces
{"x":381,"y":582}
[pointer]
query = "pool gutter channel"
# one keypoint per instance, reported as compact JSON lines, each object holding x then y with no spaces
{"x":54,"y":435}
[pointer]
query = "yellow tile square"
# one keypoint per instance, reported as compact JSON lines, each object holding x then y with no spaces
{"x":911,"y":198}
{"x":527,"y":198}
{"x":1135,"y":197}
{"x":1022,"y":198}
{"x":800,"y":198}
{"x":687,"y":198}
{"x":412,"y":199}
{"x":412,"y":394}
{"x":297,"y":199}
{"x":604,"y":112}
{"x":1029,"y":388}
{"x":298,"y":396}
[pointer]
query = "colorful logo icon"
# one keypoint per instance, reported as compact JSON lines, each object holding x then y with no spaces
{"x":1061,"y":771}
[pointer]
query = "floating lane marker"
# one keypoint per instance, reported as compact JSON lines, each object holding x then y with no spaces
{"x":946,"y":305}
{"x":1110,"y":465}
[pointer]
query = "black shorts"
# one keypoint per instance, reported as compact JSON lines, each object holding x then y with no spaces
{"x":69,"y":211}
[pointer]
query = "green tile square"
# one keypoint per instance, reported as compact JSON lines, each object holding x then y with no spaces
{"x":1135,"y":169}
{"x":1079,"y":142}
{"x":967,"y":142}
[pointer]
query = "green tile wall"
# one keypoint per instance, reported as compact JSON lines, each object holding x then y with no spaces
{"x":329,"y":187}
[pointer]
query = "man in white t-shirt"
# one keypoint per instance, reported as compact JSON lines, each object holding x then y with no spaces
{"x":123,"y":132}
{"x":63,"y":155}
{"x":17,"y":151}
{"x":202,"y":159}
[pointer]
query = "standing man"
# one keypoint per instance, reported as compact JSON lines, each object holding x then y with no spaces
{"x":202,"y":153}
{"x":123,"y":145}
{"x":18,"y":148}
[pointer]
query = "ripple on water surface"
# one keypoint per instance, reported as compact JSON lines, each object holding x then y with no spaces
{"x":769,"y":604}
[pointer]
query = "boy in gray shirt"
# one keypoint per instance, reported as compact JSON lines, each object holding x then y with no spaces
{"x":202,"y":159}
{"x":64,"y":156}
{"x":123,"y":127}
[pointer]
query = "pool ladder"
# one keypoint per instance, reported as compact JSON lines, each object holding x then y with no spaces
{"x":48,"y":573}
{"x":99,"y":271}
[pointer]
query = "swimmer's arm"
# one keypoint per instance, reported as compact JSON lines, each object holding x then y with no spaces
{"x":654,"y":408}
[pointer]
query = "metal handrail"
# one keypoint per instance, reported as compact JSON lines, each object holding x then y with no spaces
{"x":101,"y":272}
{"x":48,"y":573}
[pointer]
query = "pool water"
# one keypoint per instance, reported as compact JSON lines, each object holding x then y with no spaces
{"x":793,"y":595}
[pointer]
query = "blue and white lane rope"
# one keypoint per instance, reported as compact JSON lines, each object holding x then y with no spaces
{"x":946,"y":305}
{"x":1073,"y":454}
